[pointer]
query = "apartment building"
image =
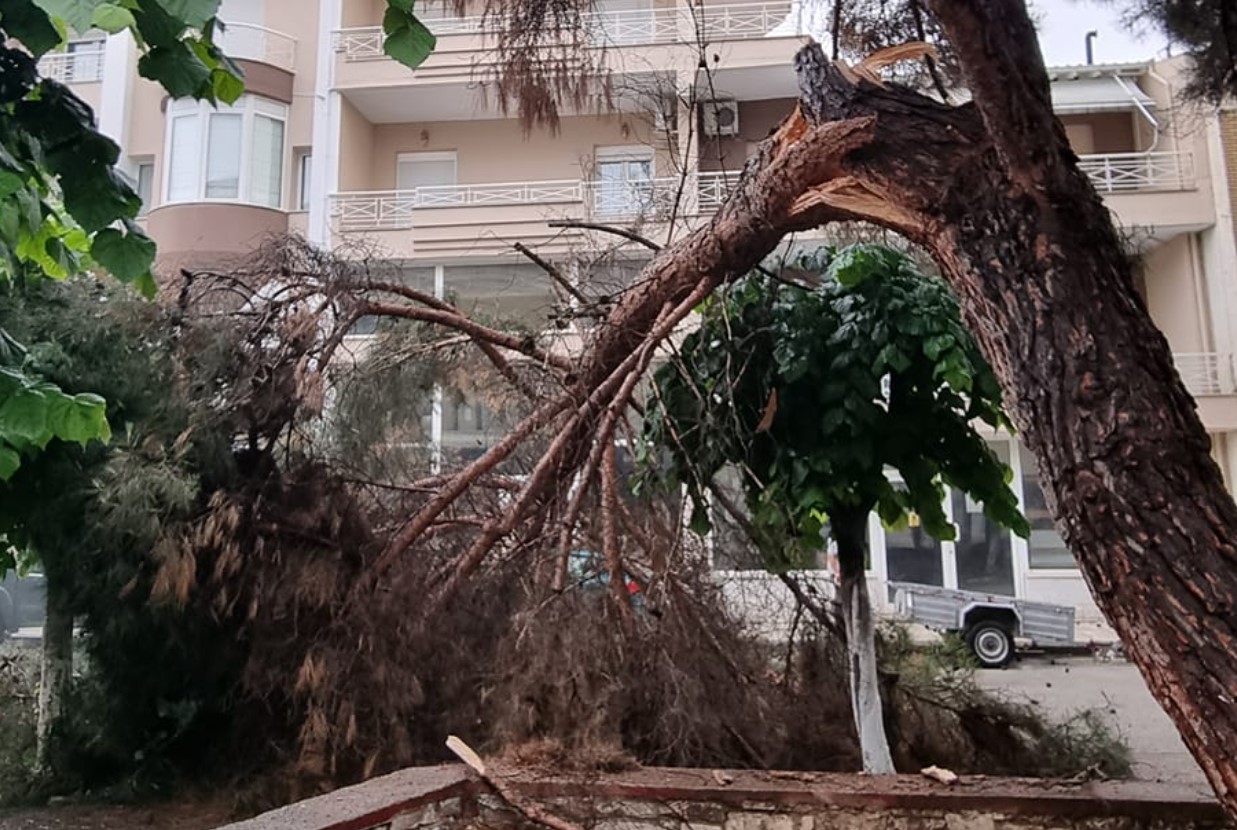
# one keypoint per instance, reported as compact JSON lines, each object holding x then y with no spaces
{"x":337,"y":142}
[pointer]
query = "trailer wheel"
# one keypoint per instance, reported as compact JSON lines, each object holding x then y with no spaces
{"x":991,"y":643}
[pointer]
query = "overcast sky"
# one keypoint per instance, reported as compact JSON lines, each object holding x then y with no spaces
{"x":1063,"y":25}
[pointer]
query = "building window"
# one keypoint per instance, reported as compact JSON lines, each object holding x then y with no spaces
{"x":230,"y":153}
{"x":431,"y":176}
{"x":85,"y":63}
{"x":145,"y":185}
{"x":1046,"y":549}
{"x":304,"y":180}
{"x":624,"y":184}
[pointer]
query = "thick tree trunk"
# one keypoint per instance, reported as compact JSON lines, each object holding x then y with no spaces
{"x":865,"y":696}
{"x":57,"y":671}
{"x":993,"y":191}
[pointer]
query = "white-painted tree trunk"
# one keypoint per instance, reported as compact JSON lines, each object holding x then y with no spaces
{"x":865,"y":693}
{"x":57,"y":670}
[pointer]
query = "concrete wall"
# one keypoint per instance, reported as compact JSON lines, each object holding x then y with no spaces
{"x":500,"y":151}
{"x":756,"y":119}
{"x":356,"y":155}
{"x":1102,"y":132}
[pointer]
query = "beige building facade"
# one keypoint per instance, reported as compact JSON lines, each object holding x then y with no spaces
{"x":337,"y":142}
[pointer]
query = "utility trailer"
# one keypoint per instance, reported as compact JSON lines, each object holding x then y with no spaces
{"x":988,"y":622}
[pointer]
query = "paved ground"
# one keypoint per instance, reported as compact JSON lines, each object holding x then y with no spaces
{"x":1065,"y":685}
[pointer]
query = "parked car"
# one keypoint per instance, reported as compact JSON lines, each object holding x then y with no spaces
{"x":23,"y":602}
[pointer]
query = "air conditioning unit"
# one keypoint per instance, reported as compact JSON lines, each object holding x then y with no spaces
{"x":720,"y":117}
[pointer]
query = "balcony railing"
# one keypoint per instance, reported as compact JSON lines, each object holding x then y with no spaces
{"x":713,"y":188}
{"x":737,"y":21}
{"x":1206,"y":373}
{"x":80,"y":67}
{"x":1129,"y":172}
{"x":249,"y":41}
{"x":396,"y":209}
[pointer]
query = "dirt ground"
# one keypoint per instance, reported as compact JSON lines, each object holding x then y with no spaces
{"x":195,"y":816}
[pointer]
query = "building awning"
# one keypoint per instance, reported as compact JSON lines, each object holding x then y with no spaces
{"x":1110,"y":92}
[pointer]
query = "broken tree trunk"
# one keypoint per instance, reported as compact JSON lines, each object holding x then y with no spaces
{"x":992,"y":190}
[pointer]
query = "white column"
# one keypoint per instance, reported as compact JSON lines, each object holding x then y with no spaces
{"x":1020,"y":547}
{"x":119,"y":62}
{"x":949,"y":551}
{"x":1218,"y":248}
{"x":440,"y":291}
{"x":324,"y":171}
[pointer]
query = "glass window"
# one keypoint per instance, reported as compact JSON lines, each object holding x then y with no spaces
{"x":85,"y":62}
{"x":624,"y":21}
{"x":913,"y":555}
{"x":985,"y":560}
{"x":233,"y":152}
{"x":431,"y":175}
{"x":984,"y":553}
{"x":186,"y":154}
{"x":223,"y":157}
{"x":145,"y":185}
{"x":624,"y":184}
{"x":304,"y":181}
{"x":1046,"y":547}
{"x":266,"y":163}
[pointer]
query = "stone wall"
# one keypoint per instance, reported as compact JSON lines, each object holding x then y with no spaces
{"x":449,"y":798}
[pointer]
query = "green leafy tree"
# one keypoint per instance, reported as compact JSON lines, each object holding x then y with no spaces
{"x":64,"y":208}
{"x":814,"y":392}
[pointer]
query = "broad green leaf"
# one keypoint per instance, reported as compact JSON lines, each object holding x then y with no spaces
{"x":10,"y":461}
{"x":408,"y":40}
{"x":79,"y":418}
{"x":112,"y":18}
{"x":193,"y":13}
{"x":10,"y":183}
{"x":146,"y":285}
{"x":24,"y":417}
{"x":24,"y":20}
{"x":127,"y":256}
{"x":177,"y":68}
{"x":77,"y":13}
{"x":226,"y":86}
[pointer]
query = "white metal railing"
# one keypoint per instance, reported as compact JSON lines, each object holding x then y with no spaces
{"x":734,"y":21}
{"x":712,"y":188}
{"x":1126,"y":172}
{"x":394,"y":209}
{"x":1206,"y":373}
{"x":79,"y":67}
{"x":745,"y":21}
{"x":249,"y":41}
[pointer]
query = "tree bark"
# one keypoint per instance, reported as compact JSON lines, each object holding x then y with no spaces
{"x":865,"y":697}
{"x":992,"y":190}
{"x":57,"y":671}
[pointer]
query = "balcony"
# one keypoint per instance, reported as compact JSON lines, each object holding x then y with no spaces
{"x":1206,"y":374}
{"x":397,"y":209}
{"x":248,"y":41}
{"x":484,"y":219}
{"x":628,"y":27}
{"x":1139,"y":172}
{"x":84,"y":66}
